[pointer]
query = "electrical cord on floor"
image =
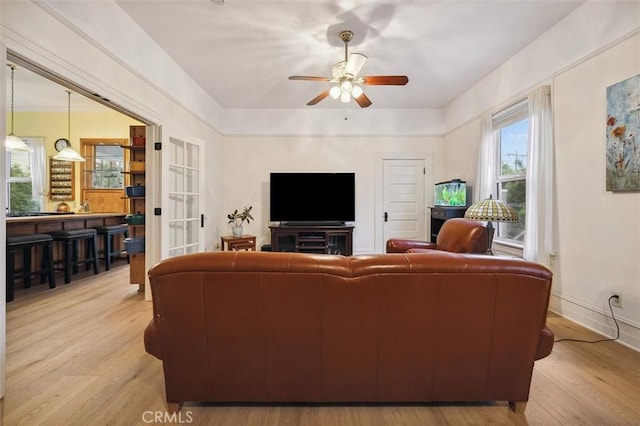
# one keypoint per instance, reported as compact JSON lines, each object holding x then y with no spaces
{"x":601,"y":340}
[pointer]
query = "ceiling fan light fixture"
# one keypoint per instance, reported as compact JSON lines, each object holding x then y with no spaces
{"x":346,"y":86}
{"x":335,"y":92}
{"x":345,"y":74}
{"x":356,"y":91}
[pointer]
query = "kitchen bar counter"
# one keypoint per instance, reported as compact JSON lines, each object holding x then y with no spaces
{"x":42,"y":224}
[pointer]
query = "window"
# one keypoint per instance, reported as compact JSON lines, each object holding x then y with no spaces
{"x":104,"y":164}
{"x":516,"y":165}
{"x":511,"y":128}
{"x":20,"y":197}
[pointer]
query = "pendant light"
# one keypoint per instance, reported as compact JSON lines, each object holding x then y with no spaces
{"x":12,"y":142}
{"x":68,"y":153}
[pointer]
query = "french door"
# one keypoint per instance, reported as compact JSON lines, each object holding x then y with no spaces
{"x":182,"y":183}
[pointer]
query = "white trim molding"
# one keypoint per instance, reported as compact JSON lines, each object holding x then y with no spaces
{"x":596,"y":319}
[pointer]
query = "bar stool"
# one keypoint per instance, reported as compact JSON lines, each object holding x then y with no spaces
{"x":108,"y":234}
{"x":70,"y":241}
{"x":26,"y":243}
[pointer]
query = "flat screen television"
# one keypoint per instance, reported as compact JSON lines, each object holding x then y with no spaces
{"x":312,"y":198}
{"x":452,"y":193}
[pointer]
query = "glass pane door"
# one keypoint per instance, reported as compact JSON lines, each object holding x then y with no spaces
{"x":182,"y":182}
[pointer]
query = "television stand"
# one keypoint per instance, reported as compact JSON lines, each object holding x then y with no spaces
{"x":325,"y":239}
{"x":312,"y":223}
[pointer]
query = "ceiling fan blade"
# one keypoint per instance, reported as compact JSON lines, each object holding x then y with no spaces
{"x":385,"y":80}
{"x":354,"y":64}
{"x":308,"y":78}
{"x":318,"y":98}
{"x":363,"y":101}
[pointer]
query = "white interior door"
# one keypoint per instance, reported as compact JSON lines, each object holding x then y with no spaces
{"x":182,"y":183}
{"x":403,"y":182}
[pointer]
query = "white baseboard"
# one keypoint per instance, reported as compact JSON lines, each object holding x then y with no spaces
{"x":596,"y":320}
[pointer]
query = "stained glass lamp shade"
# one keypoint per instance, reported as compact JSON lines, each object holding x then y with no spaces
{"x":491,"y":210}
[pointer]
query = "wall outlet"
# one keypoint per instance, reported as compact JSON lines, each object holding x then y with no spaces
{"x":616,"y":302}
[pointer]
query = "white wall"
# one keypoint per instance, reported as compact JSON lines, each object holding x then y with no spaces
{"x":128,"y":69}
{"x":589,"y":28}
{"x":598,"y":232}
{"x":461,"y":152}
{"x":249,"y":160}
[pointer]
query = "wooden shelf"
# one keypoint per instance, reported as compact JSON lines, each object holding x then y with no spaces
{"x":137,"y":272}
{"x":61,"y":180}
{"x":133,"y":147}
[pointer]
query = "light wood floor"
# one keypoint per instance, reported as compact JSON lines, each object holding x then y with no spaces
{"x":75,"y":356}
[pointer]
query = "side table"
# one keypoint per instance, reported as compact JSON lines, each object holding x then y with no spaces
{"x":246,"y":242}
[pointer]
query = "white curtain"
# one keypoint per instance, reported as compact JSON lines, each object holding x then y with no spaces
{"x":486,"y":180}
{"x":539,"y":226}
{"x":38,"y":169}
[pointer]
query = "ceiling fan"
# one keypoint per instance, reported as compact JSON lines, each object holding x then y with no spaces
{"x":345,"y":75}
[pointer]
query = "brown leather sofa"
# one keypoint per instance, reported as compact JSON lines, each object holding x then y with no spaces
{"x":457,"y":235}
{"x":292,"y":327}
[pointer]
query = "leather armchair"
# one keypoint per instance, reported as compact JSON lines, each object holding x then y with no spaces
{"x":457,"y":235}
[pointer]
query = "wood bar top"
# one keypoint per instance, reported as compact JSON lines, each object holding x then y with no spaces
{"x":58,"y":222}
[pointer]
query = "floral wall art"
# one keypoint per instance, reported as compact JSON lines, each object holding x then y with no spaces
{"x":623,"y":135}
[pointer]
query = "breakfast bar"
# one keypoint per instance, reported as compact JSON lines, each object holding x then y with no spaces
{"x":26,"y":226}
{"x":43,"y":223}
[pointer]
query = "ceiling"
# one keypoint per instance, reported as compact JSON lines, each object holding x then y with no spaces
{"x":242,"y":51}
{"x":34,"y":93}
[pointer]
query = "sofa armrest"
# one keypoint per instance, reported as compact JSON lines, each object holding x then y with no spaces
{"x":545,"y":344}
{"x":397,"y":245}
{"x":152,"y":342}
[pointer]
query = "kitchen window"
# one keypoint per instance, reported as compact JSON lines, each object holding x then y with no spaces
{"x":103,"y":165}
{"x":25,"y":174}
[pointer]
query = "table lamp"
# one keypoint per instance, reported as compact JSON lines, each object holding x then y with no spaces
{"x":491,"y":210}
